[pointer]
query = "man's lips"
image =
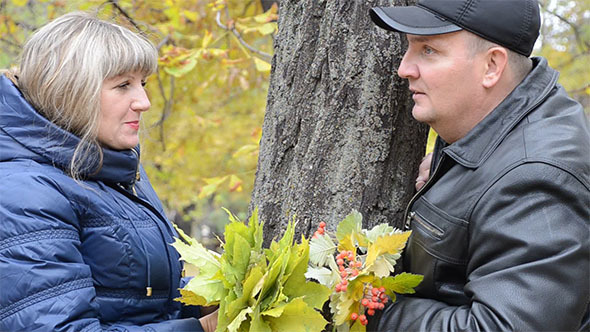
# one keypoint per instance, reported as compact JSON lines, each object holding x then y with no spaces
{"x":417,"y":94}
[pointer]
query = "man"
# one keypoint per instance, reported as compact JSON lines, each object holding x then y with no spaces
{"x":500,"y":230}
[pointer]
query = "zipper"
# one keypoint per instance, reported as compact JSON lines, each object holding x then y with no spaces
{"x":407,"y":214}
{"x":431,"y":228}
{"x":162,"y":220}
{"x":137,"y":174}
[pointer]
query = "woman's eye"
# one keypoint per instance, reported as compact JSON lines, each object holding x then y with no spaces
{"x":123,"y":85}
{"x":143,"y":83}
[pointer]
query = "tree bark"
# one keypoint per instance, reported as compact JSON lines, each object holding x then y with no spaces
{"x":338,"y":132}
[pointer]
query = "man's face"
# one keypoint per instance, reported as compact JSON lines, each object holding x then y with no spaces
{"x":445,"y":79}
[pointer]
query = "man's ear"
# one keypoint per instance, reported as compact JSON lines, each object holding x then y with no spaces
{"x":496,"y":63}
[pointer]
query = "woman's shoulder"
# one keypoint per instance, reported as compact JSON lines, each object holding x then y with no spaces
{"x":36,"y":196}
{"x":29,"y":176}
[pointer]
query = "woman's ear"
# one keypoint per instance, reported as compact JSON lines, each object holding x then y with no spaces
{"x":496,"y":63}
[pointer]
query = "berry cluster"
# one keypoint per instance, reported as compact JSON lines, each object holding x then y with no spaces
{"x":348,"y":267}
{"x":321,"y":230}
{"x":374,"y":299}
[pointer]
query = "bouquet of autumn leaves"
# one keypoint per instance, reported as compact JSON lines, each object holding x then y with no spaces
{"x":261,"y":290}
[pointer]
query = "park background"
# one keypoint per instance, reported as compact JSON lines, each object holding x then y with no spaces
{"x":200,"y":140}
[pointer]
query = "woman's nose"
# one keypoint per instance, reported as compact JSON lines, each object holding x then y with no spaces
{"x":141,"y":103}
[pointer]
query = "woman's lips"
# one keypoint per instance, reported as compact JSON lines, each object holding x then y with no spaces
{"x":133,"y":124}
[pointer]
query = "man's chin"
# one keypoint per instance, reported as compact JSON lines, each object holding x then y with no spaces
{"x":420,"y":114}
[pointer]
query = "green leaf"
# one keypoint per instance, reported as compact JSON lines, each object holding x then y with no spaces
{"x":403,"y":283}
{"x":181,"y":69}
{"x":267,"y":28}
{"x":341,"y":306}
{"x":297,"y":316}
{"x":381,"y":267}
{"x":269,"y":288}
{"x":257,"y":227}
{"x":350,"y":225}
{"x":241,"y":255}
{"x":211,"y":290}
{"x":235,"y":324}
{"x":261,"y":65}
{"x":323,"y":275}
{"x":249,"y":292}
{"x":183,"y":235}
{"x":190,"y":298}
{"x":258,"y":324}
{"x":231,"y":216}
{"x":321,"y":248}
{"x":347,"y":243}
{"x":207,"y":261}
{"x":379,"y":230}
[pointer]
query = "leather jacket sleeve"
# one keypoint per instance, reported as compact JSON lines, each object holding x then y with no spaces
{"x":528,"y":260}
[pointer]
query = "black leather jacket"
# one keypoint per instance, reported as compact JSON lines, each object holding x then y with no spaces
{"x":501,"y":230}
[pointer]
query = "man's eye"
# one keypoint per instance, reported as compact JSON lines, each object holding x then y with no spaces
{"x":428,"y":50}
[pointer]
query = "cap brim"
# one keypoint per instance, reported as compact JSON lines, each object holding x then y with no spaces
{"x":411,"y":19}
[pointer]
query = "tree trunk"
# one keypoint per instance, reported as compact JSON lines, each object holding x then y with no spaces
{"x":338,"y":132}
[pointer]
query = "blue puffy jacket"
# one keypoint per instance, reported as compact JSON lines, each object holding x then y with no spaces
{"x":79,"y":256}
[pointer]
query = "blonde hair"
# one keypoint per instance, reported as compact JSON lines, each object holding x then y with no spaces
{"x":63,"y":66}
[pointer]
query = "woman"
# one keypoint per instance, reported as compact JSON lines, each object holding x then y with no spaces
{"x":84,"y":242}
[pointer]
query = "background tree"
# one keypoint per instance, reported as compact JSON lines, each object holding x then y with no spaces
{"x":338,"y":132}
{"x":565,"y":42}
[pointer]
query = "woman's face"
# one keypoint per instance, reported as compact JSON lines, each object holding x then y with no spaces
{"x":122,"y":100}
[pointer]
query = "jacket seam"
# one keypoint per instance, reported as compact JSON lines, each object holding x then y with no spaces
{"x":451,"y":219}
{"x":549,"y":162}
{"x":439,"y":256}
{"x":41,"y":235}
{"x":92,"y":326}
{"x":44,"y":295}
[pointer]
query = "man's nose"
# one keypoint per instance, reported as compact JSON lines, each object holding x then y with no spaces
{"x":407,"y":69}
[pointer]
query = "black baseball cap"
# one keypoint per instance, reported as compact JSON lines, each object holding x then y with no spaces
{"x":513,"y":24}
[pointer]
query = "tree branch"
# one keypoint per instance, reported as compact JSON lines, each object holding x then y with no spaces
{"x":583,"y":44}
{"x":230,"y":27}
{"x":168,"y":102}
{"x":124,"y":13}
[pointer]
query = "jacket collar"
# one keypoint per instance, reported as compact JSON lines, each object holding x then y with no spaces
{"x":41,"y":140}
{"x":479,"y":143}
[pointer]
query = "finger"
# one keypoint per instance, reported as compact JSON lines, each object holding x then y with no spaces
{"x":419,"y":184}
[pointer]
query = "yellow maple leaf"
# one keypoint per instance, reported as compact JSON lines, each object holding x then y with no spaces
{"x":387,"y":244}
